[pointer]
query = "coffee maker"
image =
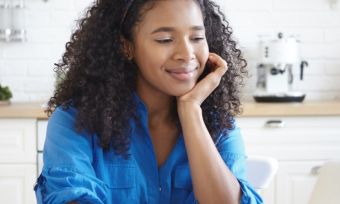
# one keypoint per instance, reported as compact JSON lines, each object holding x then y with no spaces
{"x":278,"y":60}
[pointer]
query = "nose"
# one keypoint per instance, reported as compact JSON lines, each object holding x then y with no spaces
{"x":184,"y":51}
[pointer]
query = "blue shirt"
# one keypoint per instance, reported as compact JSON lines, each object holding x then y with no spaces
{"x":76,"y":168}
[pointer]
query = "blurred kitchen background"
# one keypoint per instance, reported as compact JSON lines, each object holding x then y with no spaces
{"x":27,"y":67}
{"x":302,"y":137}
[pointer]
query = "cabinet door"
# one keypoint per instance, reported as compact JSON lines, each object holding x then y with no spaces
{"x":295,"y":181}
{"x":299,"y":144}
{"x":268,"y":194}
{"x":18,"y":141}
{"x":16,"y":183}
{"x":42,"y":128}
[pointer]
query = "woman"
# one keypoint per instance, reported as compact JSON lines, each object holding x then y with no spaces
{"x":145,"y":112}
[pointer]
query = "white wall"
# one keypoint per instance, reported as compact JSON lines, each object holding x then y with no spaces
{"x":27,"y":67}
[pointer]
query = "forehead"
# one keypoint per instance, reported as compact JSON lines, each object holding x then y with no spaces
{"x":171,"y":13}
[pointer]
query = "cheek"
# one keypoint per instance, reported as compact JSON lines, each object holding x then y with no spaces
{"x":204,"y":54}
{"x":148,"y":60}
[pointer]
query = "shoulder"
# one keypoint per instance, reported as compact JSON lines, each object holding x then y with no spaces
{"x":62,"y":124}
{"x":63,"y":115}
{"x":63,"y":140}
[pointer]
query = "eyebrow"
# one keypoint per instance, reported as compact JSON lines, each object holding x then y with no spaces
{"x":172,"y":29}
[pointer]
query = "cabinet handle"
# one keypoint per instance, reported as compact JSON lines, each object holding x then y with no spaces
{"x":274,"y":124}
{"x":315,"y":170}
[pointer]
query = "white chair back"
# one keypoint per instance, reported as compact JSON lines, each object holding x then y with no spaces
{"x":261,"y":170}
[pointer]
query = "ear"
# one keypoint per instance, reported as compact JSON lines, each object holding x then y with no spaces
{"x":127,"y":48}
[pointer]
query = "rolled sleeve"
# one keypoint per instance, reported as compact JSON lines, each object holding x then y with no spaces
{"x":62,"y":185}
{"x":68,"y":174}
{"x":232,"y":151}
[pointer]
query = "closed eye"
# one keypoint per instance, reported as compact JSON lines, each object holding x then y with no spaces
{"x":197,"y":39}
{"x":164,"y":41}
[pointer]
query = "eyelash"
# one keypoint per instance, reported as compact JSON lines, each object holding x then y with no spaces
{"x":166,"y":41}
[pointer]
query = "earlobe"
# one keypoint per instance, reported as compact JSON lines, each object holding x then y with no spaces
{"x":128,"y":55}
{"x":127,"y":48}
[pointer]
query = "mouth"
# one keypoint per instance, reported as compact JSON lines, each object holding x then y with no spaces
{"x":182,"y":74}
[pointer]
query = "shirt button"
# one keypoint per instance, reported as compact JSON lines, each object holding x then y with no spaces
{"x":160,"y":188}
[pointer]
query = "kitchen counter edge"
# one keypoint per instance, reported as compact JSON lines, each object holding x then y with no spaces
{"x":313,"y":108}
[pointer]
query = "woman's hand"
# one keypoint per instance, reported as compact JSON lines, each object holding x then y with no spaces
{"x":207,"y":85}
{"x":210,"y":185}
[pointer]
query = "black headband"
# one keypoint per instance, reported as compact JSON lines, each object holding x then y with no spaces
{"x":128,"y":5}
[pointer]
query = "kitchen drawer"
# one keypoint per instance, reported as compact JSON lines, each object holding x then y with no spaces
{"x":18,"y":141}
{"x":297,"y":138}
{"x":291,"y":122}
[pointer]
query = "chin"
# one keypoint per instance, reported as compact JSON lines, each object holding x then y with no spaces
{"x":181,"y":91}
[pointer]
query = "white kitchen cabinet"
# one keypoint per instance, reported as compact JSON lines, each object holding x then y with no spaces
{"x":16,"y":183}
{"x":18,"y":152}
{"x":18,"y":141}
{"x":295,"y":181}
{"x":301,"y":144}
{"x":41,"y":135}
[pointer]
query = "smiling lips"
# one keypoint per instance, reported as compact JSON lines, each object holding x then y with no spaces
{"x":182,"y":74}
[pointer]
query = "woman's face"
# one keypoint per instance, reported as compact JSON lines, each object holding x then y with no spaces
{"x":170,"y":47}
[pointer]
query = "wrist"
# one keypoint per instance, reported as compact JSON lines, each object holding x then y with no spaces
{"x":188,"y":108}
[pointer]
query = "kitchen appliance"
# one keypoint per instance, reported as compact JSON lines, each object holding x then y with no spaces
{"x":12,"y":20}
{"x":278,"y":61}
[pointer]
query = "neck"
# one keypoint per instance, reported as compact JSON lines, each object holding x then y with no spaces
{"x":160,"y":106}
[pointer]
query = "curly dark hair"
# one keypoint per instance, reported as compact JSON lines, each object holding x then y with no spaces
{"x":99,"y":80}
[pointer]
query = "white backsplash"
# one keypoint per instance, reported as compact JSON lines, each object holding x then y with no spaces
{"x":28,"y":67}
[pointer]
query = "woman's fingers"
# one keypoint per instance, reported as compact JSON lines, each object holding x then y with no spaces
{"x":209,"y":83}
{"x":212,"y":80}
{"x":220,"y":65}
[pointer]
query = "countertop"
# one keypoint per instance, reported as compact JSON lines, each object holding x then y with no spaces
{"x":23,"y":110}
{"x":313,"y":108}
{"x":310,"y":108}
